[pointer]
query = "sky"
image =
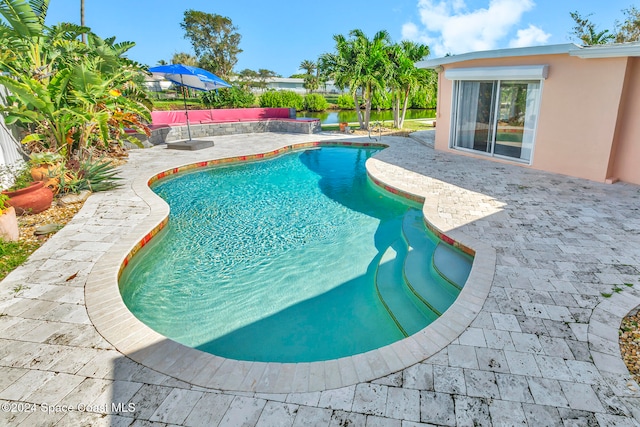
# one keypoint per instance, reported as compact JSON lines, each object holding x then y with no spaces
{"x":280,"y":35}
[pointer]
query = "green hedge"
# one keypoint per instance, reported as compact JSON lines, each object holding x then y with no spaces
{"x":345,"y":102}
{"x":281,"y":99}
{"x":315,"y":102}
{"x":233,"y":97}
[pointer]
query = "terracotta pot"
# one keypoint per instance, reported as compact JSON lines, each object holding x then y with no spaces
{"x":31,"y":200}
{"x":9,"y":225}
{"x":343,"y":126}
{"x":50,"y":174}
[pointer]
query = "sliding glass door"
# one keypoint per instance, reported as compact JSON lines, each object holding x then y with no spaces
{"x":496,"y":117}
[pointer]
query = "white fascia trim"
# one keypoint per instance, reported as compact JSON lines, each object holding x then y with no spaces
{"x":556,"y":49}
{"x":522,"y":72}
{"x":607,"y":51}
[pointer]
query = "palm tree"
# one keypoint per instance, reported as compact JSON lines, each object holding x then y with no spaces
{"x":361,"y":65}
{"x":585,"y":30}
{"x":84,"y":36}
{"x":372,"y":67}
{"x":405,"y":77}
{"x":592,"y":37}
{"x":311,"y":80}
{"x":308,"y":66}
{"x":184,"y":58}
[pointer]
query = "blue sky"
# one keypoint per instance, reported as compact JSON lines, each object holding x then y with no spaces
{"x":280,"y":35}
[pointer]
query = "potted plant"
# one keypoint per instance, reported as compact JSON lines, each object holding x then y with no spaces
{"x":8,"y":222}
{"x":47,"y":166}
{"x":27,"y":196}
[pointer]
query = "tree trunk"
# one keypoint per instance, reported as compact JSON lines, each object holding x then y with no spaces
{"x":367,"y":106}
{"x":404,"y":107}
{"x":396,"y":110}
{"x":84,"y":36}
{"x":357,"y":108}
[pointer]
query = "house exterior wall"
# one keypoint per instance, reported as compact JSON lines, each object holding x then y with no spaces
{"x":626,"y":153}
{"x":579,"y":108}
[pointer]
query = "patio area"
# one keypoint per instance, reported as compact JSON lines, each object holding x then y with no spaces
{"x":542,"y":349}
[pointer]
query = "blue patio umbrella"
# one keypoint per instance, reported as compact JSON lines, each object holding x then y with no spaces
{"x":193,"y":77}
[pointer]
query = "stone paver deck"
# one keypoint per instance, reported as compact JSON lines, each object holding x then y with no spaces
{"x":540,"y":350}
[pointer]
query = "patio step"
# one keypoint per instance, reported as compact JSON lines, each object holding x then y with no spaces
{"x":407,"y":311}
{"x":435,"y":292}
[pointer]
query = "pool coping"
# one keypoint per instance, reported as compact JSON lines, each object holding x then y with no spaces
{"x":132,"y":338}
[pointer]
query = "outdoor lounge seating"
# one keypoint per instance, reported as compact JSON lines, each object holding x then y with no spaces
{"x":169,"y":126}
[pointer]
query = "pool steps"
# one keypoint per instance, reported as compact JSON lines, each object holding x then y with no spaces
{"x":453,"y":265}
{"x":406,"y":310}
{"x":404,"y":278}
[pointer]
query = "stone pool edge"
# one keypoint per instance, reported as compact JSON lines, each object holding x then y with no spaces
{"x":137,"y":341}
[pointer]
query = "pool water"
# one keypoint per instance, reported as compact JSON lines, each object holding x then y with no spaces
{"x":277,"y":260}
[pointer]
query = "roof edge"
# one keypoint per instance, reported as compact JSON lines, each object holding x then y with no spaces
{"x":614,"y":50}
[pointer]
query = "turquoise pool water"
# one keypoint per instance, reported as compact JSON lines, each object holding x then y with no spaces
{"x":284,"y":260}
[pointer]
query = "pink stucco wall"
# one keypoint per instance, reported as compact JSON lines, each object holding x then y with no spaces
{"x":626,"y":151}
{"x":580,"y":106}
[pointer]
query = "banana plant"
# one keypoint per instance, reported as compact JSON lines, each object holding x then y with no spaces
{"x":68,"y":94}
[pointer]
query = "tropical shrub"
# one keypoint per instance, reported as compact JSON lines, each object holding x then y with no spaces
{"x":422,"y":99}
{"x":3,"y":203}
{"x":66,"y":94}
{"x":315,"y":102}
{"x":233,"y":97}
{"x":345,"y":102}
{"x":281,"y":99}
{"x":381,"y":101}
{"x":92,"y":175}
{"x":45,"y":158}
{"x":269,"y":99}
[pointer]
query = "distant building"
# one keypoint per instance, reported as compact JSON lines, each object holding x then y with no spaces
{"x":297,"y":85}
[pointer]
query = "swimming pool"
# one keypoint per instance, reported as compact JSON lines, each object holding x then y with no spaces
{"x":299,"y":258}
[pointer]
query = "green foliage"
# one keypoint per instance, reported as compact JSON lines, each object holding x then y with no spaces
{"x":615,"y":289}
{"x":92,"y":175}
{"x":175,"y":104}
{"x":629,"y":30}
{"x":381,"y":101}
{"x":281,"y":99}
{"x":68,"y":95}
{"x":3,"y":202}
{"x":214,"y":39}
{"x":255,"y":79}
{"x":422,"y":99}
{"x":184,"y":58}
{"x":315,"y":102}
{"x":345,"y":101}
{"x":13,"y":254}
{"x":233,"y":97}
{"x":359,"y":63}
{"x":20,"y":175}
{"x":45,"y":158}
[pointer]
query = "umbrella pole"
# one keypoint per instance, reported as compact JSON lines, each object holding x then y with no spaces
{"x":186,"y":110}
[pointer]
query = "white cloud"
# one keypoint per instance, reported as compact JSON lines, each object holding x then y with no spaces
{"x":531,"y":36}
{"x":450,"y":27}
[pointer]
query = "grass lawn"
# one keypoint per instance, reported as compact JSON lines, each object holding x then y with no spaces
{"x":409,"y":125}
{"x":177,"y":104}
{"x":12,"y":254}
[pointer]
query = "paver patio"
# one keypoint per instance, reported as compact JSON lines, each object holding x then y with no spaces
{"x":543,"y":350}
